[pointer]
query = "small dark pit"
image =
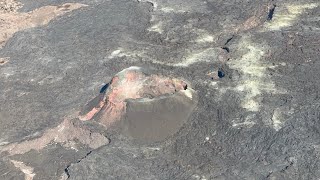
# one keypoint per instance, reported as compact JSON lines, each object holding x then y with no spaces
{"x":221,"y":73}
{"x":104,"y":88}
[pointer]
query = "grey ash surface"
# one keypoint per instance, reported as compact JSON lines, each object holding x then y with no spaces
{"x":57,"y":68}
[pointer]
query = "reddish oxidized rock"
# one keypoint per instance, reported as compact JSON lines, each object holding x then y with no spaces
{"x":66,"y":133}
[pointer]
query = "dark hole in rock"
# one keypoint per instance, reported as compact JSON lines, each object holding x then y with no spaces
{"x":104,"y":88}
{"x":271,"y":13}
{"x":221,"y":73}
{"x":185,"y":87}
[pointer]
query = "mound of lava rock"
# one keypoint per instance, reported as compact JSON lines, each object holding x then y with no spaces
{"x":142,"y":100}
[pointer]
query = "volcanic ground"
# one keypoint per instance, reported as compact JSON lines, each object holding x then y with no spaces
{"x":158,"y":89}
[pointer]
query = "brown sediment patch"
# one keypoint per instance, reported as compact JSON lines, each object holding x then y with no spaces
{"x":147,"y":107}
{"x":3,"y":61}
{"x":65,"y":133}
{"x":27,"y":170}
{"x":92,"y":107}
{"x":12,"y":21}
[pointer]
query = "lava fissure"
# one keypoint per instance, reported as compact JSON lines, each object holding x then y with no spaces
{"x":66,"y":170}
{"x":228,"y":40}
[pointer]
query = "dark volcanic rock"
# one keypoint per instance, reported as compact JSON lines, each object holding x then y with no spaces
{"x":260,"y":121}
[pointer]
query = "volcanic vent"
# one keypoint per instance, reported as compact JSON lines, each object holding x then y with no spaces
{"x":147,"y":107}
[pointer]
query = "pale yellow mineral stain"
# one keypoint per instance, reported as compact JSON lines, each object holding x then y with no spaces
{"x":27,"y":170}
{"x":254,"y":80}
